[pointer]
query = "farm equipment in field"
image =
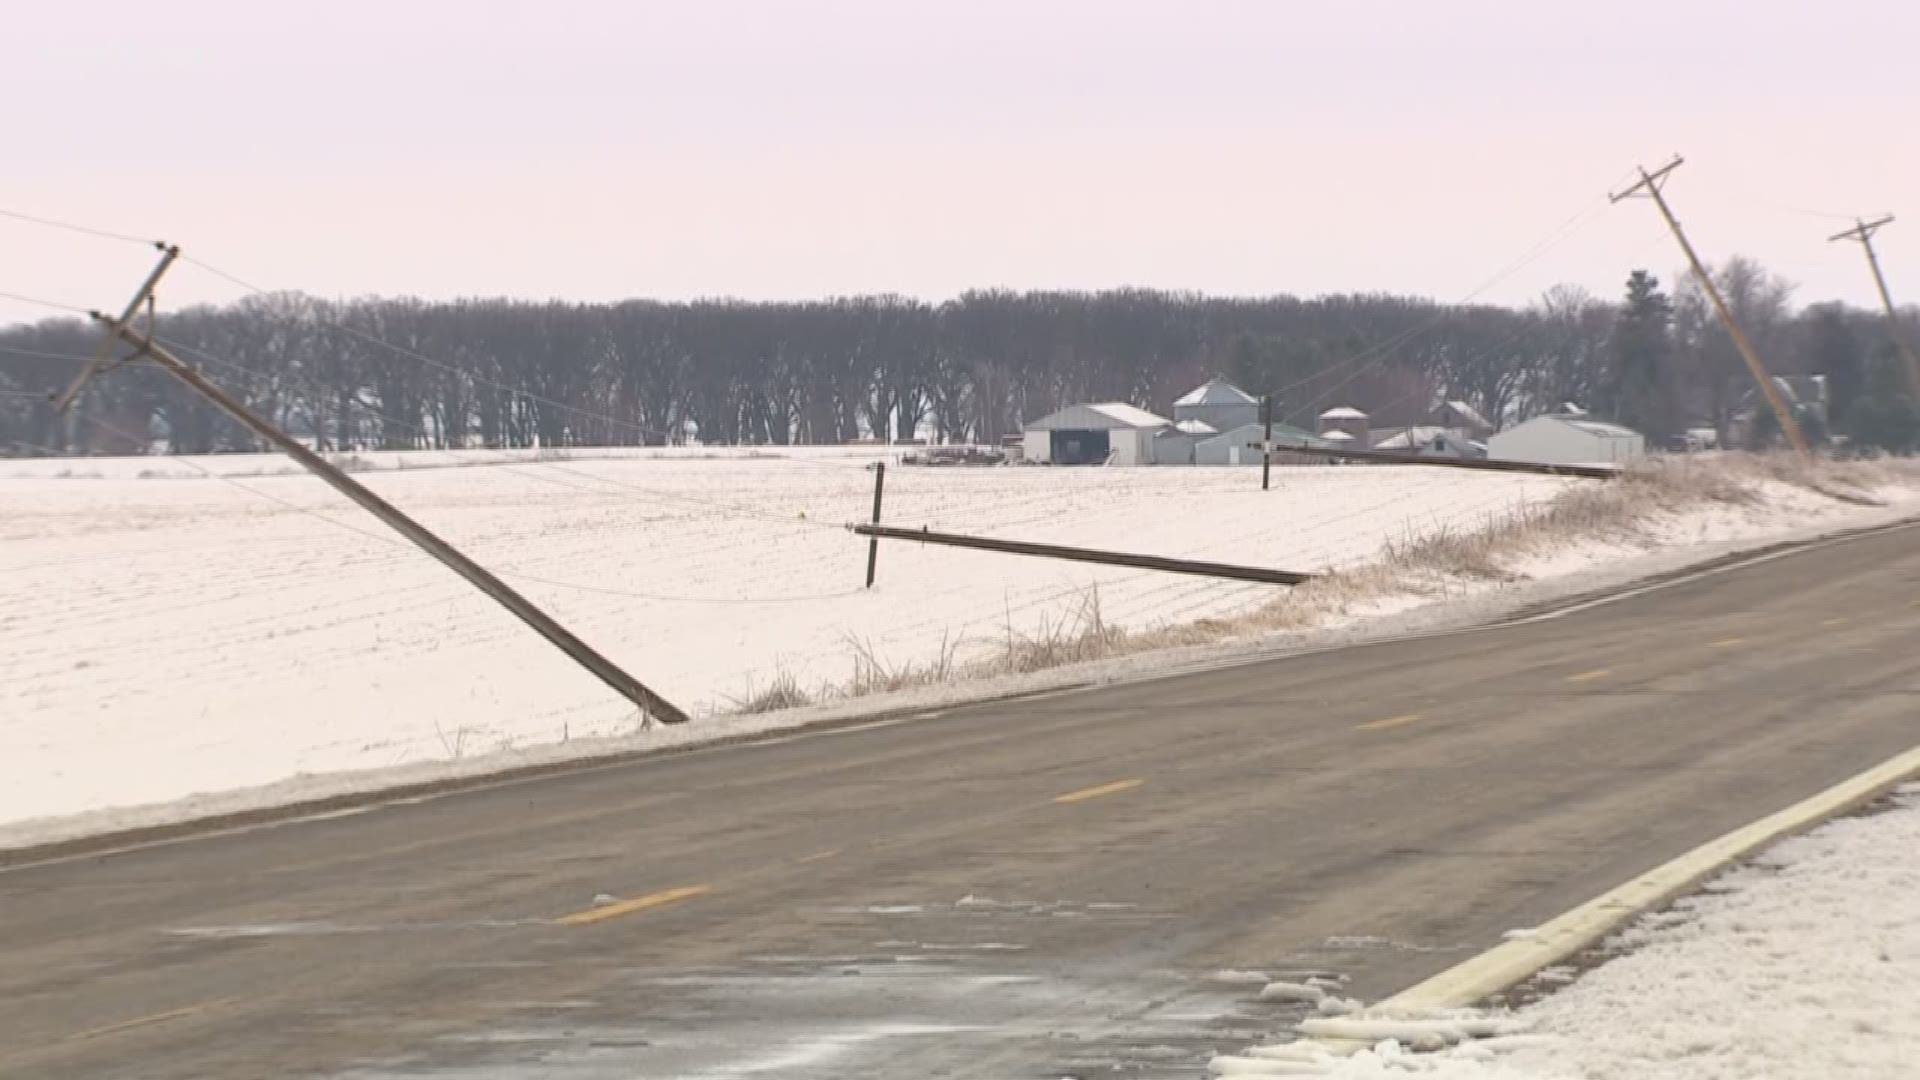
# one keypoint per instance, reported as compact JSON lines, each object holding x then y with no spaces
{"x":955,"y":455}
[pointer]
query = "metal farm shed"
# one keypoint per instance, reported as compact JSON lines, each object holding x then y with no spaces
{"x":1568,"y":440}
{"x":1239,"y":446}
{"x":1111,"y":432}
{"x":1219,"y":404}
{"x":1174,"y":445}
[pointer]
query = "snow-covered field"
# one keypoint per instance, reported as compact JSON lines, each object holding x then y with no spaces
{"x":1803,"y":964}
{"x":244,"y":465}
{"x":178,"y":633}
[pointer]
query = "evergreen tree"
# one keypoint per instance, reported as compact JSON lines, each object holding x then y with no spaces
{"x":1637,"y":388}
{"x":1834,"y":350}
{"x":1884,"y":417}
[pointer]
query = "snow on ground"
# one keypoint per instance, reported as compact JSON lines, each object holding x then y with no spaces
{"x":177,"y":634}
{"x":1804,"y":963}
{"x":244,"y":465}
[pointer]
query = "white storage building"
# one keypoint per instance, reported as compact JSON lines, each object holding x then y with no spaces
{"x":1240,"y":446}
{"x":1111,"y":432}
{"x":1174,"y":445}
{"x":1218,"y":404}
{"x":1346,"y":425}
{"x":1559,"y":439}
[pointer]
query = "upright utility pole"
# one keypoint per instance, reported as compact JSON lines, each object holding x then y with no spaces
{"x":606,"y":670}
{"x":1650,"y":185}
{"x":1266,"y":441}
{"x":873,"y":542}
{"x":1863,"y":231}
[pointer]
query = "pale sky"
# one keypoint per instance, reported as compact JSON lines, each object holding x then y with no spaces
{"x":594,"y":149}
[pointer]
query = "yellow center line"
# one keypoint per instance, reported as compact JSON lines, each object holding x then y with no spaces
{"x":1831,"y":622}
{"x":1391,"y":721}
{"x":1727,"y":643}
{"x":143,"y":1021}
{"x":820,"y":855}
{"x":1095,"y":792}
{"x":1589,"y":676}
{"x":628,"y":907}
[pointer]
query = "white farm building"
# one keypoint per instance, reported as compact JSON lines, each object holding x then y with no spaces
{"x":1568,"y":440}
{"x":1219,"y":405}
{"x":1111,"y":432}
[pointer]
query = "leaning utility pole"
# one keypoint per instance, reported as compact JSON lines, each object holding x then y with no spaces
{"x":1650,"y":184}
{"x":1863,"y":231}
{"x":650,"y":703}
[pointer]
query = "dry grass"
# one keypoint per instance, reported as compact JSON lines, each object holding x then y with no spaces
{"x":783,"y":691}
{"x":873,"y":675}
{"x":1615,"y":511}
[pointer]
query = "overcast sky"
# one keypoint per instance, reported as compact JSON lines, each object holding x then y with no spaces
{"x":674,"y":148}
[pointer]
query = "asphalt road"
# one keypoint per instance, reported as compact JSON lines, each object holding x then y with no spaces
{"x":1030,"y":889}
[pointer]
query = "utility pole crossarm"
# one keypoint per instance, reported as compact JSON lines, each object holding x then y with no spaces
{"x":66,"y":398}
{"x":1650,"y":181}
{"x":1862,"y":232}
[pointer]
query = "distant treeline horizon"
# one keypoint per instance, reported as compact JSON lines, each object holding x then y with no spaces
{"x":377,"y":373}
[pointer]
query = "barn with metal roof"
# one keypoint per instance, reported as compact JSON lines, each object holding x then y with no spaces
{"x":1560,"y":439}
{"x":1110,"y":432}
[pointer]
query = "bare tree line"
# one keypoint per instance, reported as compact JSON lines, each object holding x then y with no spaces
{"x":404,"y":373}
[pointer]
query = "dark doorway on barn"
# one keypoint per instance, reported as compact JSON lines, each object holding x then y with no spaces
{"x":1080,"y":447}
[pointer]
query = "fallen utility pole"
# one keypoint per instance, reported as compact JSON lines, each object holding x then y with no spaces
{"x":1392,"y":457}
{"x":1650,"y":184}
{"x":1079,"y":554}
{"x":650,"y":703}
{"x":1863,"y":232}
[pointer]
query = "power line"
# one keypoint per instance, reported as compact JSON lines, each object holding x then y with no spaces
{"x":55,"y":304}
{"x":442,"y":365}
{"x":1379,"y":353}
{"x":1566,"y":230}
{"x":418,"y":428}
{"x":391,"y":542}
{"x":42,"y":354}
{"x":88,"y":230}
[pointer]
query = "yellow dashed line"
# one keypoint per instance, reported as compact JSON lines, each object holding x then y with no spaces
{"x":1391,"y":721}
{"x":819,"y":856}
{"x":1095,"y":792}
{"x":1727,"y":643}
{"x":1831,"y":622}
{"x":628,"y":907}
{"x":143,"y":1021}
{"x":1589,"y":676}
